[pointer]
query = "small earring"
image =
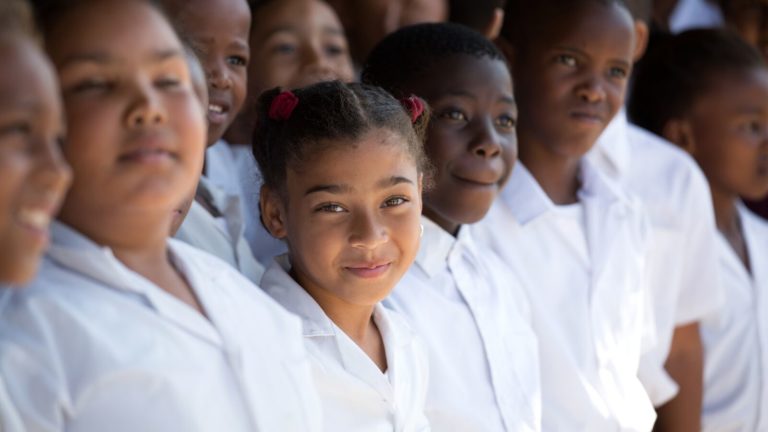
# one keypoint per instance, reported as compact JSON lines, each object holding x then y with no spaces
{"x":422,"y":230}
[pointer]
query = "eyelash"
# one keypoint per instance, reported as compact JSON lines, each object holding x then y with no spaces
{"x":398,"y":201}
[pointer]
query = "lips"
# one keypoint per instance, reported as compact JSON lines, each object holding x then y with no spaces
{"x":34,"y":218}
{"x":148,"y":148}
{"x":368,"y":270}
{"x":218,"y":110}
{"x":477,"y":173}
{"x":590,"y":116}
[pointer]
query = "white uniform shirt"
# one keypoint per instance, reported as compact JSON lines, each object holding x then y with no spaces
{"x":9,"y":419}
{"x":591,"y":318}
{"x":475,"y":320}
{"x":93,"y":346}
{"x":690,"y":14}
{"x":224,"y":240}
{"x":736,"y":340}
{"x":683,"y":272}
{"x":355,"y":394}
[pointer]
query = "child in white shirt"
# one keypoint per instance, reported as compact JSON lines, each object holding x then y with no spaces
{"x":715,"y":106}
{"x":342,"y":168}
{"x":34,"y":175}
{"x":466,"y":303}
{"x":124,"y":330}
{"x":578,"y":239}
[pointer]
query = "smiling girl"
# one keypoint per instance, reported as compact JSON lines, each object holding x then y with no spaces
{"x":342,"y":169}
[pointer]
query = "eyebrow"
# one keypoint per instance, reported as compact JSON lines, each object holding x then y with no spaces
{"x":157,"y":56}
{"x":338,"y":189}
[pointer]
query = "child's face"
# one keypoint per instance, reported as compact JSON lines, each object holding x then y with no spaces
{"x":471,"y":140}
{"x":218,"y":30}
{"x":136,"y":130}
{"x":570,"y":80}
{"x":729,"y":124}
{"x":351,"y":219}
{"x":34,"y":176}
{"x":296,"y":43}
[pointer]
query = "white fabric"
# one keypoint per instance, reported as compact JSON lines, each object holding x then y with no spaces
{"x":683,"y":274}
{"x":736,"y":340}
{"x":93,"y":346}
{"x":265,"y":247}
{"x":356,"y":395}
{"x":475,"y":319}
{"x":690,"y":14}
{"x":221,"y":163}
{"x":592,"y":322}
{"x":220,"y":236}
{"x":9,"y":419}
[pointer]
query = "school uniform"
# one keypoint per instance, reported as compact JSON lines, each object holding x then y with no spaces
{"x":92,"y":346}
{"x":221,"y":164}
{"x":475,"y":319}
{"x":582,"y":266}
{"x":736,"y":339}
{"x":220,"y":234}
{"x":9,"y":418}
{"x":356,"y":395}
{"x":682,"y":271}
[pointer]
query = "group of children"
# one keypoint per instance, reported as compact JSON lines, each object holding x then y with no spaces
{"x":477,"y":236}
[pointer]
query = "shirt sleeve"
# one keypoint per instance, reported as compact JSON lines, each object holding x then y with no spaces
{"x":701,"y":291}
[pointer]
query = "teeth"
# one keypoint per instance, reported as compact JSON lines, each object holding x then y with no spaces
{"x":35,"y":218}
{"x":218,"y":109}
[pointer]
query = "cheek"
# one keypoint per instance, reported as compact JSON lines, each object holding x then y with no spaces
{"x":316,"y":242}
{"x":189,"y":124}
{"x":15,"y":169}
{"x":239,"y":88}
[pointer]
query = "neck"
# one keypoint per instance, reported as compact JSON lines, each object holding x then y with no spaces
{"x":726,"y":213}
{"x":137,"y":238}
{"x":557,"y":175}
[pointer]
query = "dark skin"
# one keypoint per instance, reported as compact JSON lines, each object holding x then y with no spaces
{"x":471,"y":140}
{"x":569,"y":86}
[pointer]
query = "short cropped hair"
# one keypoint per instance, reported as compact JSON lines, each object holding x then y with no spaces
{"x":678,"y":68}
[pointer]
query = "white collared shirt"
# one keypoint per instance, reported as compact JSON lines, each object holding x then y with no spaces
{"x":356,"y":394}
{"x":682,"y":269}
{"x":93,"y":346}
{"x":475,"y":319}
{"x":736,"y":339}
{"x":225,"y":241}
{"x":591,"y":318}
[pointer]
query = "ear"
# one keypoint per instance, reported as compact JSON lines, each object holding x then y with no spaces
{"x":493,"y":28}
{"x":273,"y":215}
{"x":680,"y":133}
{"x":642,"y":33}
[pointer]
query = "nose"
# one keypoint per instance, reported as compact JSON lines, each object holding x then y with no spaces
{"x":367,"y":232}
{"x":591,"y":89}
{"x":218,"y":75}
{"x":315,"y":61}
{"x":51,"y":170}
{"x":146,"y":109}
{"x":486,"y":142}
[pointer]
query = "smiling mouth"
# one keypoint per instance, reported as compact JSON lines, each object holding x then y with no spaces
{"x":35,"y":219}
{"x":217,"y":113}
{"x":474,"y":183}
{"x":369,"y":271}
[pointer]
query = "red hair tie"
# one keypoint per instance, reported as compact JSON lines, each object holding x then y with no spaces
{"x":283,"y":105}
{"x":414,"y":106}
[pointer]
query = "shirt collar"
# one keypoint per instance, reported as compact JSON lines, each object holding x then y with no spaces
{"x":612,"y":146}
{"x":527,"y":201}
{"x":436,"y":245}
{"x":286,"y":291}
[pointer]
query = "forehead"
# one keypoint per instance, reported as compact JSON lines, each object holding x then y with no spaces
{"x":26,"y":77}
{"x":463,"y":72}
{"x":735,"y":89}
{"x":213,"y":18}
{"x":588,"y":25}
{"x":112,"y":28}
{"x":379,"y":153}
{"x":312,"y":15}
